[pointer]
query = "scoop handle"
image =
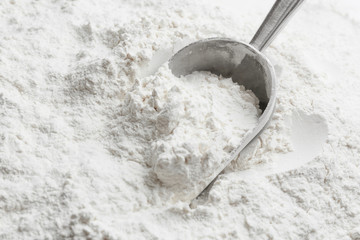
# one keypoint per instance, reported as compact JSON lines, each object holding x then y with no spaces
{"x":279,"y":14}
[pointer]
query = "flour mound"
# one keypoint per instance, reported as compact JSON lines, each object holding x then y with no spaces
{"x":183,"y":128}
{"x":193,"y":123}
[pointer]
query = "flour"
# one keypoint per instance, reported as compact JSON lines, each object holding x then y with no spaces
{"x":184,"y":129}
{"x":200,"y":119}
{"x":91,"y":120}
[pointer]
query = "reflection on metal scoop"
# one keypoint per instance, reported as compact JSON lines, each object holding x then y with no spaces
{"x":244,"y":63}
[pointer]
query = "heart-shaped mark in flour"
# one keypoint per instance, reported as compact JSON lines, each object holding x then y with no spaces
{"x":308,"y":133}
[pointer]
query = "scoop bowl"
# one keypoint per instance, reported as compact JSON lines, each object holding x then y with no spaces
{"x":245,"y":65}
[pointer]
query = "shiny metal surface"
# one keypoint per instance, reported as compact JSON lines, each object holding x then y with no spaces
{"x":275,"y":20}
{"x":238,"y":60}
{"x":244,"y":63}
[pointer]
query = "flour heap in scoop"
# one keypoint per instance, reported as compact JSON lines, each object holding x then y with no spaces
{"x":193,"y":123}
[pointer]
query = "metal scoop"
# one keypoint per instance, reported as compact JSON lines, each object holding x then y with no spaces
{"x":244,"y":63}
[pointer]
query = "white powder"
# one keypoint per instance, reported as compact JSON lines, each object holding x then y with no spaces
{"x":198,"y":121}
{"x":183,"y":128}
{"x":88,"y":124}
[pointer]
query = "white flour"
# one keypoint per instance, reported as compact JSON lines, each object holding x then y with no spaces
{"x":80,"y":98}
{"x":199,"y":120}
{"x":184,"y":129}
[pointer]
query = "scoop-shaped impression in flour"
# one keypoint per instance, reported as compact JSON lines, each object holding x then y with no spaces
{"x":200,"y":119}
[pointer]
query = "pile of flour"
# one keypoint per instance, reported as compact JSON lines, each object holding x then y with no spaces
{"x":188,"y":127}
{"x":97,"y":138}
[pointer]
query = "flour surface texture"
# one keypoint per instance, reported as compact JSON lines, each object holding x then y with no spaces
{"x":198,"y":121}
{"x":98,"y":140}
